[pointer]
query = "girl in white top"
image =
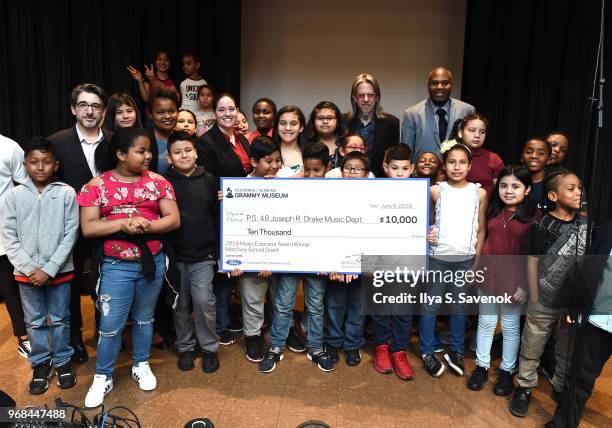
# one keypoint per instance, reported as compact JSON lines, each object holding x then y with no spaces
{"x":288,"y":128}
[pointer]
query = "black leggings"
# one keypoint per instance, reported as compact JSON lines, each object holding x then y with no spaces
{"x":9,"y":290}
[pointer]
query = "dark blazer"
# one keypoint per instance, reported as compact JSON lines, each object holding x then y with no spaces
{"x":386,"y":133}
{"x":217,"y":155}
{"x":154,"y":150}
{"x":73,"y":168}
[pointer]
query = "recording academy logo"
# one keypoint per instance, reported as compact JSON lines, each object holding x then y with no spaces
{"x":229,"y":193}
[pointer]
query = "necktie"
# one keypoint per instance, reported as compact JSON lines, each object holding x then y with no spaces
{"x":442,"y":123}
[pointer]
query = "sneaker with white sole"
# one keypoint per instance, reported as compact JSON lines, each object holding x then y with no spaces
{"x":99,"y":388}
{"x":144,"y":376}
{"x":23,"y":347}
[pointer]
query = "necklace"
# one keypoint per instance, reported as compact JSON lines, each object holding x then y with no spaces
{"x":507,"y":221}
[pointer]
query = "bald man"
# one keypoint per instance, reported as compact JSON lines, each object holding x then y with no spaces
{"x":427,"y":124}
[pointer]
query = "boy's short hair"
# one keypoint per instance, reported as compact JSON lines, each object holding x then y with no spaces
{"x":263,"y":146}
{"x":398,"y":152}
{"x":553,"y":177}
{"x":316,"y":150}
{"x":161,"y":93}
{"x":192,"y":55}
{"x":180,"y":136}
{"x":542,"y":140}
{"x":357,"y":155}
{"x":38,"y":143}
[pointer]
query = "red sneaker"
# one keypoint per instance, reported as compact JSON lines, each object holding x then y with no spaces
{"x":401,"y":366}
{"x":382,"y":359}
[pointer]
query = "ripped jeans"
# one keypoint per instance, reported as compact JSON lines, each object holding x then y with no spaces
{"x":123,"y":288}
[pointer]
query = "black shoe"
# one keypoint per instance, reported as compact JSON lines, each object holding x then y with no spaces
{"x":353,"y":357}
{"x":163,"y":344}
{"x":455,"y":362}
{"x":210,"y":362}
{"x":80,"y":352}
{"x":477,"y":380}
{"x":226,"y":338}
{"x":519,"y":405}
{"x":185,"y":361}
{"x":433,"y":366}
{"x":334,"y":353}
{"x":254,"y":348}
{"x":557,"y":396}
{"x":503,"y":384}
{"x":273,"y":356}
{"x":295,"y":342}
{"x":322,"y":360}
{"x":40,"y":378}
{"x":65,"y":376}
{"x":235,"y":326}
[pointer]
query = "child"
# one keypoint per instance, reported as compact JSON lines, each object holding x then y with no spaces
{"x":326,"y":125}
{"x":394,"y":328}
{"x":486,"y":165}
{"x":554,"y":244}
{"x":316,"y":163}
{"x":190,"y":86}
{"x":350,"y":143}
{"x":205,"y":114}
{"x":266,"y":161}
{"x":195,"y":246}
{"x":241,"y":125}
{"x":264,"y":115}
{"x":536,"y":153}
{"x":460,"y":214}
{"x":40,"y":222}
{"x":159,"y":77}
{"x":162,"y":109}
{"x":288,"y":128}
{"x":186,"y":121}
{"x":511,"y":214}
{"x":345,"y":321}
{"x":559,"y":144}
{"x":428,"y":166}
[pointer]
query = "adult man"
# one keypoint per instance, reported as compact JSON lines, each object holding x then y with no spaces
{"x":75,"y":149}
{"x":427,"y":124}
{"x":378,"y":129}
{"x":12,"y":170}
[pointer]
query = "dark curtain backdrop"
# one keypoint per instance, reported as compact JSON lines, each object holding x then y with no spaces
{"x":529,"y":67}
{"x":48,"y":47}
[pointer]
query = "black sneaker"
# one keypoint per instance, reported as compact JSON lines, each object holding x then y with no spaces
{"x":273,"y":356}
{"x":295,"y":342}
{"x":433,"y":366}
{"x":519,"y":405}
{"x":79,"y":355}
{"x":235,"y":326}
{"x":353,"y":357}
{"x":477,"y":380}
{"x":185,"y":361}
{"x":334,"y":353}
{"x":23,"y":347}
{"x":322,"y":360}
{"x":455,"y":362}
{"x":557,"y":396}
{"x":226,"y":338}
{"x":503,"y":384}
{"x":66,"y":378}
{"x":40,"y":378}
{"x":210,"y":362}
{"x":254,"y":348}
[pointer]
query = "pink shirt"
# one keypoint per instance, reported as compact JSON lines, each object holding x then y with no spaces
{"x":118,"y":199}
{"x":253,"y":134}
{"x":486,"y":167}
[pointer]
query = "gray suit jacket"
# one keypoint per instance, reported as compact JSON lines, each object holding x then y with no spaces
{"x":420,"y":129}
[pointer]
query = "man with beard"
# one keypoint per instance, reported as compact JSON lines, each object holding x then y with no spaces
{"x":427,"y":124}
{"x":75,"y":150}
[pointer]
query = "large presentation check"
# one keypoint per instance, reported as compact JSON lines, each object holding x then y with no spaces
{"x":320,"y":225}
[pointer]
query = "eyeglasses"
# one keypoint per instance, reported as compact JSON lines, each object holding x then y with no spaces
{"x":83,"y":106}
{"x":356,"y":148}
{"x":363,"y":96}
{"x":325,"y":118}
{"x":350,"y":170}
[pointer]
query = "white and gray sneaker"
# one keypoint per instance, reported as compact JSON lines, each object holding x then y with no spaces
{"x":23,"y":347}
{"x":99,"y":388}
{"x":144,"y":376}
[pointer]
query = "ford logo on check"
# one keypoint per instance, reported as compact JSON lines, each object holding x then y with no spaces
{"x":234,"y":262}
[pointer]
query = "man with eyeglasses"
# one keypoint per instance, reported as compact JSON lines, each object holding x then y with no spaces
{"x":378,"y":129}
{"x":427,"y":124}
{"x":75,"y":149}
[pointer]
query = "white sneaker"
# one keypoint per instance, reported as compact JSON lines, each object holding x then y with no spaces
{"x":144,"y":376}
{"x":98,"y":390}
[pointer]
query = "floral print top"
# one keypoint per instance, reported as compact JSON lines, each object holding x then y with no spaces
{"x":119,"y":199}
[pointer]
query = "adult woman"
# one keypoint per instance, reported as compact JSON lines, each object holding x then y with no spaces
{"x":325,"y":125}
{"x":121,"y":112}
{"x":127,"y":207}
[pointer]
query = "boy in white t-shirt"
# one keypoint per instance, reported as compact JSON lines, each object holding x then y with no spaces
{"x":189,"y":86}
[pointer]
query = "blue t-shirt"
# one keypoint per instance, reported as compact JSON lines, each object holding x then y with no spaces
{"x":162,"y":160}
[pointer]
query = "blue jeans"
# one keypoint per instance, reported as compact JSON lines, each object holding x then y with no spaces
{"x":222,"y":287}
{"x":46,"y":311}
{"x":284,"y":300}
{"x":345,"y":320}
{"x":427,"y":324}
{"x":123,"y":288}
{"x":396,"y":328}
{"x":511,"y":332}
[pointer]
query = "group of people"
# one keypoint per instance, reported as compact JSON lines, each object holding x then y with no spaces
{"x":142,"y":203}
